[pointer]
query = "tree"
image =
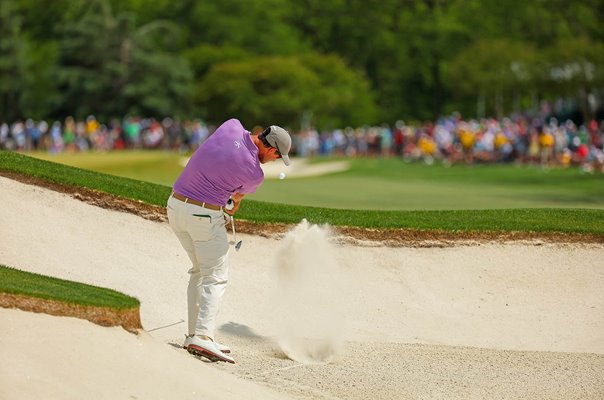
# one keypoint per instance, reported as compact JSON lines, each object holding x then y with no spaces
{"x":400,"y":45}
{"x":159,"y":79}
{"x":119,"y":56}
{"x":14,"y":64}
{"x":281,"y":89}
{"x":202,"y":57}
{"x":26,"y":85}
{"x":110,"y":67}
{"x":491,"y":71}
{"x":343,"y":96}
{"x":366,"y":35}
{"x":258,"y":26}
{"x":573,"y":67}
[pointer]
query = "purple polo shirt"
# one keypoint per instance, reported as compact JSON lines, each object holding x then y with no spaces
{"x":226,"y":163}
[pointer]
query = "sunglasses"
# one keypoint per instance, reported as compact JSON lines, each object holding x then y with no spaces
{"x":262,"y":138}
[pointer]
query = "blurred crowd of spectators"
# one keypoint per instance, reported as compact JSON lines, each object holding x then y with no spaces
{"x":91,"y":134}
{"x":543,"y":141}
{"x":546,"y":142}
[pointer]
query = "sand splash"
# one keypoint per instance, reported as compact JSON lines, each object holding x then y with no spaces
{"x":309,"y":316}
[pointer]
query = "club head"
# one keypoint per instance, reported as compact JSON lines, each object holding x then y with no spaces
{"x":238,"y":245}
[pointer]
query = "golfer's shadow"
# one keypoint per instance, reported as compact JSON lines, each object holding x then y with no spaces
{"x":268,"y":345}
{"x":236,"y":329}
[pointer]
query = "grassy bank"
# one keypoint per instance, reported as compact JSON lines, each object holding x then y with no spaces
{"x":377,"y":183}
{"x":19,"y":282}
{"x":568,"y":220}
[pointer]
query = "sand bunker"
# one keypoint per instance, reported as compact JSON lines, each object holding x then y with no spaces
{"x":513,"y":321}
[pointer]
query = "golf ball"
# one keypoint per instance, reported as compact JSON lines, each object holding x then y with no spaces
{"x":281,"y":175}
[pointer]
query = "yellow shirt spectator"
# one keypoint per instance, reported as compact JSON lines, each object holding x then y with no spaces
{"x":467,"y":139}
{"x":92,"y":126}
{"x":500,"y":140}
{"x":426,"y":145}
{"x":546,"y":140}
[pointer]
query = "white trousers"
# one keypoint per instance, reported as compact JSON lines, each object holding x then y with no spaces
{"x":202,"y":234}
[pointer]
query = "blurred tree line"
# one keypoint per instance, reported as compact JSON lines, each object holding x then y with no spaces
{"x":322,"y":62}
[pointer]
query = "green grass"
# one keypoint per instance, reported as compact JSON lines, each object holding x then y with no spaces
{"x":535,"y":183}
{"x":382,"y":184}
{"x":29,"y":284}
{"x":150,"y":166}
{"x":59,"y":173}
{"x":391,"y":184}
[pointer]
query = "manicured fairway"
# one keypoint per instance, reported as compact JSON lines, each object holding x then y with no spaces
{"x":378,"y":184}
{"x":396,"y":185}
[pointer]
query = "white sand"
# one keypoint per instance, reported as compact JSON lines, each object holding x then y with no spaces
{"x":487,"y":321}
{"x":45,"y":357}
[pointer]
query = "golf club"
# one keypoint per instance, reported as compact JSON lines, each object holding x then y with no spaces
{"x":229,"y":206}
{"x":235,"y":242}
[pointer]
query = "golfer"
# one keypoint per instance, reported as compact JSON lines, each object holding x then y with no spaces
{"x":226,"y":166}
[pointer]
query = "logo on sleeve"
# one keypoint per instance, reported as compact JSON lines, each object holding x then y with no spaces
{"x":237,"y":143}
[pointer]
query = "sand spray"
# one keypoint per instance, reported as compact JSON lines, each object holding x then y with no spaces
{"x":309,"y":311}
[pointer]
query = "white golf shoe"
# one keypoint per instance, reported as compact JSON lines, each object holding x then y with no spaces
{"x":208,"y":348}
{"x":224,"y":348}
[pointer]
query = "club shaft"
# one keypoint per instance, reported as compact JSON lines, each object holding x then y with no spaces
{"x":233,"y":228}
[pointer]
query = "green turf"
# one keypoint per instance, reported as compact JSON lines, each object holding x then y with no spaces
{"x":541,"y":219}
{"x":382,"y":184}
{"x":391,"y":184}
{"x":24,"y":283}
{"x":149,"y":166}
{"x":58,"y":173}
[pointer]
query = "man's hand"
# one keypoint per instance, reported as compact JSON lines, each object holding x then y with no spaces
{"x":237,"y":197}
